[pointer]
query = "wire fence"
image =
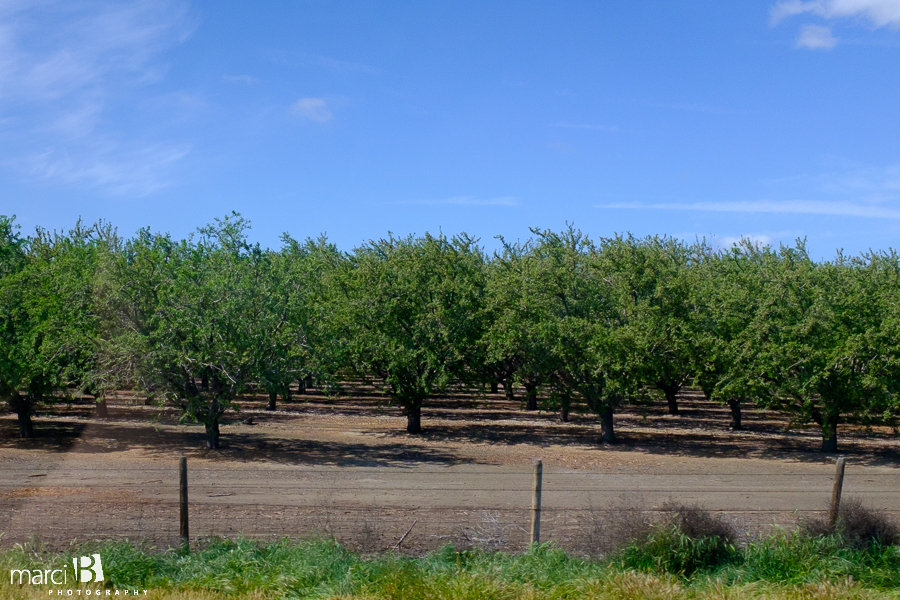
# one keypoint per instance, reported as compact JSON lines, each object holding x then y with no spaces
{"x":408,"y":509}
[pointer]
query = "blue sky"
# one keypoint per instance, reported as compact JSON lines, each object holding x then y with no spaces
{"x":776,"y":119}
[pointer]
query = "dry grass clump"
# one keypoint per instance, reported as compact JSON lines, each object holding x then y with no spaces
{"x":696,"y":522}
{"x":606,"y":531}
{"x":857,"y":526}
{"x":688,"y":540}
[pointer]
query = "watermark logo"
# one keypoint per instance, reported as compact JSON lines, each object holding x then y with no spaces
{"x":91,"y":569}
{"x":38,"y":577}
{"x":88,"y":569}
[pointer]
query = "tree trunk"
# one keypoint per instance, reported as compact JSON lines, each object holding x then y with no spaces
{"x":102,"y":411}
{"x":273,"y":398}
{"x":508,"y":390}
{"x":735,"y":406}
{"x":26,"y":425}
{"x":22,"y":408}
{"x":564,"y":413}
{"x":671,"y":400}
{"x":607,"y":430}
{"x":495,"y":387}
{"x":212,"y":435}
{"x":531,"y":402}
{"x":829,"y":436}
{"x":308,"y":383}
{"x":414,"y":419}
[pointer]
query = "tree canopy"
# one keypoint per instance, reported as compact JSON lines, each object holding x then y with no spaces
{"x":579,"y":323}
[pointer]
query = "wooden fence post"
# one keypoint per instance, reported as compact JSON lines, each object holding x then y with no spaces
{"x":536,"y":503}
{"x":183,"y":500}
{"x":836,"y":492}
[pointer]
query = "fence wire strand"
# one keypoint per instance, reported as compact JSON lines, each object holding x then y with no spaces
{"x":370,"y":508}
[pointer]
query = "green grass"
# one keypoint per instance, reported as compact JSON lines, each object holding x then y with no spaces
{"x":781,"y":566}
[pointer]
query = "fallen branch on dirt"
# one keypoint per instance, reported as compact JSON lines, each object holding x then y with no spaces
{"x":403,"y":537}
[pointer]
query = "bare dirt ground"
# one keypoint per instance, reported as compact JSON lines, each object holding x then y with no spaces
{"x":345,"y":467}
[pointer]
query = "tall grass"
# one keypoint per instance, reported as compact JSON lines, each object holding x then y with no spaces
{"x":796,"y":558}
{"x":783,"y":566}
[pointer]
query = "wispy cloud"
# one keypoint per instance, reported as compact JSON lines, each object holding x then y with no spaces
{"x":62,"y":66}
{"x":470,"y":201}
{"x":880,"y":13}
{"x":314,"y":109}
{"x":566,"y":125}
{"x":860,"y":184}
{"x":757,"y":239}
{"x":340,"y":66}
{"x":562,"y":148}
{"x":805,"y":207}
{"x":700,"y":108}
{"x":816,"y":37}
{"x":245,"y":79}
{"x":138,"y":171}
{"x":329,"y":63}
{"x":61,"y":48}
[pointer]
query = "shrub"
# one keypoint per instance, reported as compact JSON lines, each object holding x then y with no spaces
{"x":857,"y":526}
{"x":861,"y":527}
{"x":697,"y":522}
{"x":689,"y":539}
{"x":607,"y":531}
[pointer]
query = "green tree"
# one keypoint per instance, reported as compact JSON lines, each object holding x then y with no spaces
{"x":516,"y":339}
{"x":14,"y":323}
{"x":407,"y":311}
{"x":824,"y":338}
{"x":49,"y":325}
{"x":650,"y":281}
{"x":280,"y":347}
{"x":575,"y":297}
{"x":190,"y":312}
{"x":728,"y":289}
{"x":292,"y":342}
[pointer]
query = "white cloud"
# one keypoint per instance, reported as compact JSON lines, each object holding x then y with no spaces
{"x":340,"y":66}
{"x":805,"y":207}
{"x":471,"y":201}
{"x":860,"y":184}
{"x":61,"y":48}
{"x":136,"y":171}
{"x":875,"y":184}
{"x":246,"y":79}
{"x":816,"y":37}
{"x":314,"y":109}
{"x":566,"y":125}
{"x":63,"y":65}
{"x":880,"y":13}
{"x":756,"y":239}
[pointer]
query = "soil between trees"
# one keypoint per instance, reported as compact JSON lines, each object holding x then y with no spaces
{"x":345,"y":467}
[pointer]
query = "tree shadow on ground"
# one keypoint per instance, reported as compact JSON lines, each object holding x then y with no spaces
{"x":794,"y":446}
{"x":105,"y":437}
{"x":700,"y":431}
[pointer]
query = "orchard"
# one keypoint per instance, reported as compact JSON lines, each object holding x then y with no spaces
{"x":578,"y":323}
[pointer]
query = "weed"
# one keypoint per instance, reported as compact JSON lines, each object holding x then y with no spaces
{"x":689,"y":540}
{"x":860,"y":526}
{"x":606,"y":531}
{"x":857,"y":526}
{"x":785,"y":566}
{"x":490,"y":534}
